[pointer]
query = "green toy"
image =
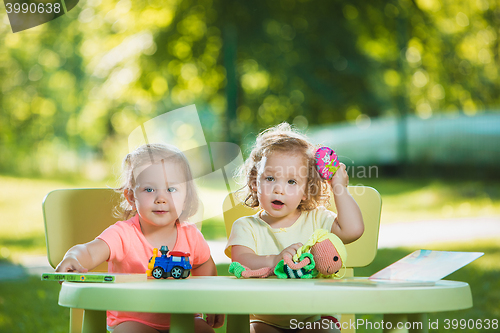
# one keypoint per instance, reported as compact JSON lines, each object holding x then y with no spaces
{"x":322,"y":256}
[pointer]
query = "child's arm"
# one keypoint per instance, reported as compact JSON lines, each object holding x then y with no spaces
{"x":206,"y":269}
{"x":247,"y":257}
{"x":84,"y":257}
{"x":349,"y":222}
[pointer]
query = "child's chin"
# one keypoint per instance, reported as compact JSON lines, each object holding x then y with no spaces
{"x":277,"y":213}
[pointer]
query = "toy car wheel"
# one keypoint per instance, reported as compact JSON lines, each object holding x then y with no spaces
{"x":157,"y":272}
{"x":176,"y":272}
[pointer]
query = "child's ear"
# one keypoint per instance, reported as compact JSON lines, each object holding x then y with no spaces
{"x":129,"y":195}
{"x":304,"y":197}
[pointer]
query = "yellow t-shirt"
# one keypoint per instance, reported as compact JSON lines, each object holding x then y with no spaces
{"x":256,"y":234}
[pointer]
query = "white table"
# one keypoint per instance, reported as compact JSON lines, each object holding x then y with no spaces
{"x":183,"y":298}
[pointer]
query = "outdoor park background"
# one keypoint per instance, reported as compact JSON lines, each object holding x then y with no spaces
{"x":410,"y":87}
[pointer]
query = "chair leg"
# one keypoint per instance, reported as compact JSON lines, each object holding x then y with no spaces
{"x":347,"y":322}
{"x":419,"y":323}
{"x":94,"y":321}
{"x":238,"y":323}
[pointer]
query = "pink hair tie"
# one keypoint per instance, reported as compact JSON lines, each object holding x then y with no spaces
{"x":327,"y":162}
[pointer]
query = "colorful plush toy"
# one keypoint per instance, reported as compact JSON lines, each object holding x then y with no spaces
{"x":323,"y":255}
{"x":327,"y":162}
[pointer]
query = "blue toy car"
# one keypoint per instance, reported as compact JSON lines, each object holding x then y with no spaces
{"x":170,"y":264}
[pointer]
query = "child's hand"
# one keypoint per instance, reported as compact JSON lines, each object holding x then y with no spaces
{"x":70,"y":264}
{"x":340,"y":179}
{"x":288,"y":252}
{"x":215,"y":320}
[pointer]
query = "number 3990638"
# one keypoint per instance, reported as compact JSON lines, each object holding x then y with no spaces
{"x":33,"y":8}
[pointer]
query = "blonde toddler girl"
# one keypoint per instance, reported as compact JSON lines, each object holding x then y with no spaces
{"x":158,"y":197}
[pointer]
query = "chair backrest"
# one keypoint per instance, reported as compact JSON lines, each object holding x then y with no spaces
{"x":361,"y":252}
{"x":75,"y":216}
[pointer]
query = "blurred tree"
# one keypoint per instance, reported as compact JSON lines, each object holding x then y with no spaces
{"x":73,"y":89}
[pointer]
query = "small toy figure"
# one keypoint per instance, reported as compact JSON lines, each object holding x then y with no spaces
{"x":176,"y":264}
{"x":323,"y":256}
{"x":327,"y":162}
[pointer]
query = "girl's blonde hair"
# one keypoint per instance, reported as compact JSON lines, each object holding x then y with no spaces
{"x":151,"y":154}
{"x":283,"y":138}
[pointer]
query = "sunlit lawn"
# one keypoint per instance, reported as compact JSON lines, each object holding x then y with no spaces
{"x":21,"y":225}
{"x":433,"y":199}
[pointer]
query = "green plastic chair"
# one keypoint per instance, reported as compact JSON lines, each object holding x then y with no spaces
{"x":359,"y":253}
{"x":75,"y":216}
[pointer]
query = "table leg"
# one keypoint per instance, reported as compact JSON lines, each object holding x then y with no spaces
{"x":237,"y":323}
{"x":94,"y":321}
{"x":416,"y":319}
{"x":403,"y":323}
{"x":181,"y":323}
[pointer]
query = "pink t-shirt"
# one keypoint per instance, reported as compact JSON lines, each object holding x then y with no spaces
{"x":130,"y":253}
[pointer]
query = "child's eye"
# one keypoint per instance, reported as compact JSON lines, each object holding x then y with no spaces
{"x":148,"y":189}
{"x":172,"y":189}
{"x":292,"y":182}
{"x":269,"y":178}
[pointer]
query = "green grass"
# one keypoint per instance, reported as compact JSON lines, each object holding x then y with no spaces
{"x":30,"y":305}
{"x":431,"y":199}
{"x":21,"y":226}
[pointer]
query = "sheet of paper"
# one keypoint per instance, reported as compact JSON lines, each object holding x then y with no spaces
{"x":426,"y":265}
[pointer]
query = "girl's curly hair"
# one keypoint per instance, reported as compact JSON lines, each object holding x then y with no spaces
{"x":151,"y":154}
{"x":284,"y":138}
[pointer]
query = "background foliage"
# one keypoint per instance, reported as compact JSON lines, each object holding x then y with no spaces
{"x":73,"y":89}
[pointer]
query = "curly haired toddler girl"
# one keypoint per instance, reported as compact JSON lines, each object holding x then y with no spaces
{"x":282,"y":180}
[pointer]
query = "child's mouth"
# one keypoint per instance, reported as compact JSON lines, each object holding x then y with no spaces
{"x":276,"y":204}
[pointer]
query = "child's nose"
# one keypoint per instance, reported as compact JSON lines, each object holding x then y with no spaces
{"x":278,"y":189}
{"x":161,"y":198}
